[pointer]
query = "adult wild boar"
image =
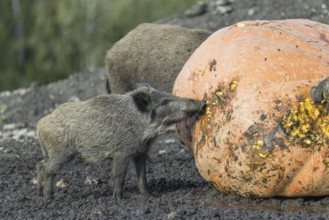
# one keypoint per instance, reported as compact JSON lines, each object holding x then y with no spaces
{"x":153,"y":53}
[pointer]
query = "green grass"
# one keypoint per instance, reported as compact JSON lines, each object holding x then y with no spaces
{"x":43,"y":41}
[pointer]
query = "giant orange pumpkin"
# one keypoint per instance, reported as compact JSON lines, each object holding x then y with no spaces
{"x":261,"y":135}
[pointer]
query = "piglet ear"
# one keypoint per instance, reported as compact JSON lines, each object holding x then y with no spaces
{"x":139,"y":84}
{"x":142,"y":101}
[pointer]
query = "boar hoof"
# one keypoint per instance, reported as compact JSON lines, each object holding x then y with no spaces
{"x":49,"y":197}
{"x":40,"y":191}
{"x":145,"y":192}
{"x":117,"y":195}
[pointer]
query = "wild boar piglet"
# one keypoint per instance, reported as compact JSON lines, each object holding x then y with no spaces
{"x":115,"y":126}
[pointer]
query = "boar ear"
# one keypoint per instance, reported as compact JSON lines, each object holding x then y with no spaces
{"x":139,"y":84}
{"x":108,"y":87}
{"x":142,"y":101}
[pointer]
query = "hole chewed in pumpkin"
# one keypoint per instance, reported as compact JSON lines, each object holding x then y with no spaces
{"x":308,"y":124}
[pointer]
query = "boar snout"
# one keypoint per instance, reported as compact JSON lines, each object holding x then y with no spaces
{"x":321,"y":92}
{"x":316,"y":94}
{"x":194,"y":107}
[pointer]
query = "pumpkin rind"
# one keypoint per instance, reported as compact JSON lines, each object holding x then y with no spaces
{"x":252,"y":74}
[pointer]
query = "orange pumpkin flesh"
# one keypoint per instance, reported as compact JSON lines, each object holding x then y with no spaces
{"x":256,"y":78}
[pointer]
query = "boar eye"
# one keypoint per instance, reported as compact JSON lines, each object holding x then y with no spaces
{"x":165,"y":102}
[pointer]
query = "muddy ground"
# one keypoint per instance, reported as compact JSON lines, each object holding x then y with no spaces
{"x":178,"y":191}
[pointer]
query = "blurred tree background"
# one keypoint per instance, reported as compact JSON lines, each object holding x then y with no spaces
{"x":43,"y":41}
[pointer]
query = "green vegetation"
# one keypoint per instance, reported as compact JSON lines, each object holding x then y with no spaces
{"x":43,"y":41}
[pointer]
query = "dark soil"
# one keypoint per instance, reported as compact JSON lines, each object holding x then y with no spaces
{"x":221,"y":13}
{"x":178,"y":191}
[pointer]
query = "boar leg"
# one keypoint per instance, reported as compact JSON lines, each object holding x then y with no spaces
{"x":140,"y":165}
{"x":50,"y":169}
{"x":119,"y":170}
{"x":40,"y":176}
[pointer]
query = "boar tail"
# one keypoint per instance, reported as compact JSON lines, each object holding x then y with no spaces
{"x":43,"y":149}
